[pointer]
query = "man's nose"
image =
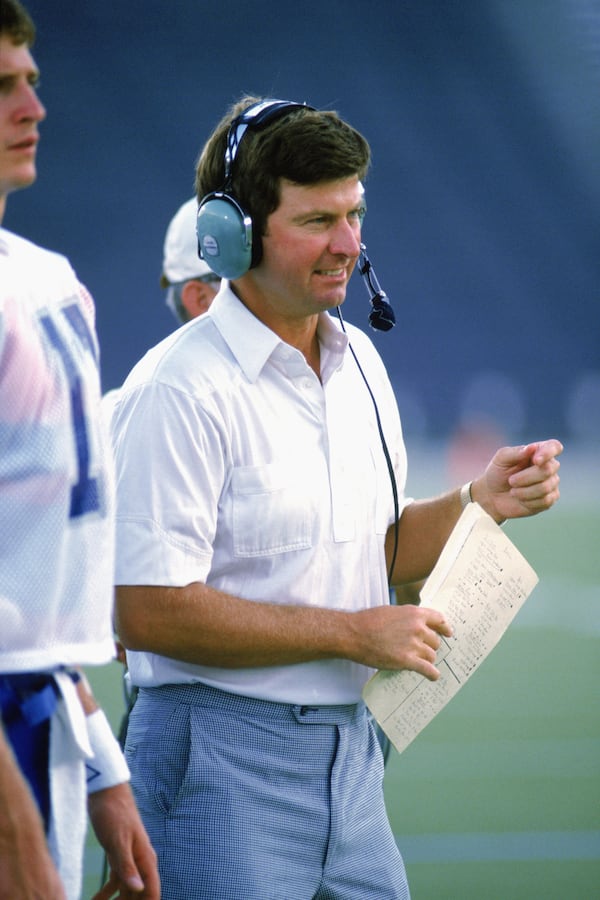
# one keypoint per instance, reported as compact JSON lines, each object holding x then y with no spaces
{"x":29,"y":106}
{"x":345,"y":239}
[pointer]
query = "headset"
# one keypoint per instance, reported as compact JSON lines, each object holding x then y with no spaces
{"x":225,"y":232}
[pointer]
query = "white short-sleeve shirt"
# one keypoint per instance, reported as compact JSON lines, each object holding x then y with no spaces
{"x":238,"y":467}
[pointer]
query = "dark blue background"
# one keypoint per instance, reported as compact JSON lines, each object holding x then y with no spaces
{"x":484,"y":194}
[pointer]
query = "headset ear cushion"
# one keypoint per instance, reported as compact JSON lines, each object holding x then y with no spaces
{"x":224,"y":235}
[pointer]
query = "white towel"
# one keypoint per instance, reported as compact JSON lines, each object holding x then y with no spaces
{"x":69,"y":748}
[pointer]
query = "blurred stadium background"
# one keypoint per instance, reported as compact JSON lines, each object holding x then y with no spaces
{"x":484,"y":230}
{"x":484,"y":194}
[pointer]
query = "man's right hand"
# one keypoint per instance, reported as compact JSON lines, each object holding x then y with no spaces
{"x":399,"y":637}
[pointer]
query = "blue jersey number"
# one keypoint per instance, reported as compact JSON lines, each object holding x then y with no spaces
{"x":85,"y":493}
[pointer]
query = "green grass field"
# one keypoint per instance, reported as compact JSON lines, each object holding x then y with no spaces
{"x":499,"y":797}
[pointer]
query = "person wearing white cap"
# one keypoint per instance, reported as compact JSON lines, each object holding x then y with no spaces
{"x":191,"y":284}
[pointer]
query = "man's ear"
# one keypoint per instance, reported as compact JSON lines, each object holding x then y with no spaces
{"x":196,"y":297}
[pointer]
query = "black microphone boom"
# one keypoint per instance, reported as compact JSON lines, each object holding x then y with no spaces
{"x":381,"y":317}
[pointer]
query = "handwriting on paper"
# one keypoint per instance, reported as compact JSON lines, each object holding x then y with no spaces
{"x":480,"y":582}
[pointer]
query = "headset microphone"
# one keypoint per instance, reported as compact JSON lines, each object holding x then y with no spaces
{"x":381,"y":317}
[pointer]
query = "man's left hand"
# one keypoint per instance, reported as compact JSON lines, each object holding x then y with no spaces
{"x":520,"y":481}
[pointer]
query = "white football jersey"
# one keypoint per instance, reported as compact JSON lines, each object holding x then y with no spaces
{"x":56,"y":479}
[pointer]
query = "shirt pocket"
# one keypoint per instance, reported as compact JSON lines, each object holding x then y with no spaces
{"x":271,"y":510}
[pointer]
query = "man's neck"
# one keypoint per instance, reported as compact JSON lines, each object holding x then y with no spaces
{"x":298,"y":333}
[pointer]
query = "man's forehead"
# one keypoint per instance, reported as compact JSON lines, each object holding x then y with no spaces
{"x":345,"y":190}
{"x":15,"y":57}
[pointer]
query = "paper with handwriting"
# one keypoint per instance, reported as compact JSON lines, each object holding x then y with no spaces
{"x":479,"y":582}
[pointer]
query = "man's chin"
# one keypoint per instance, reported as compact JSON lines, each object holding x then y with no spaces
{"x":22,"y":180}
{"x":334,"y":298}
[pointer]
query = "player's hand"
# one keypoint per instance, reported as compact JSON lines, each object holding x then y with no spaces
{"x":131,"y":858}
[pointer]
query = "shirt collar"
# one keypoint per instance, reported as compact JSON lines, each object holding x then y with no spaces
{"x":252,"y":343}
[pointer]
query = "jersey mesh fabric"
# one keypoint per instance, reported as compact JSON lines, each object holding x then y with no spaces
{"x":56,"y":481}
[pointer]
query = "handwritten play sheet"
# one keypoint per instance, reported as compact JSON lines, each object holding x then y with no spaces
{"x":479,"y":582}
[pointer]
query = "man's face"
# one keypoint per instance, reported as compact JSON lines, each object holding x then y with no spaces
{"x":310,"y":248}
{"x":20,"y":112}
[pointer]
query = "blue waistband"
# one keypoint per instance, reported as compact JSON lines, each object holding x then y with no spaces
{"x":31,"y":696}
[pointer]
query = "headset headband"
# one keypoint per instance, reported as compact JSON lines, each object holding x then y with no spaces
{"x":254,"y":116}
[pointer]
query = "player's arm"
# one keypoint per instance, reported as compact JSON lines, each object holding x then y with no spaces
{"x":131,"y":858}
{"x":26,"y":867}
{"x":113,"y":813}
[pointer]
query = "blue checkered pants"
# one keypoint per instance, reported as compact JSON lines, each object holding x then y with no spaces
{"x":245,"y":799}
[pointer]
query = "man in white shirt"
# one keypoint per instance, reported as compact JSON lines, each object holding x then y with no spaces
{"x":261,"y":518}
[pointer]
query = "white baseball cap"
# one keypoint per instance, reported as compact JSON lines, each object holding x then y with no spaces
{"x":180,"y":256}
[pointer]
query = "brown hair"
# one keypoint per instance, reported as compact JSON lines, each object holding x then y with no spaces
{"x":304,"y":146}
{"x":16,"y":23}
